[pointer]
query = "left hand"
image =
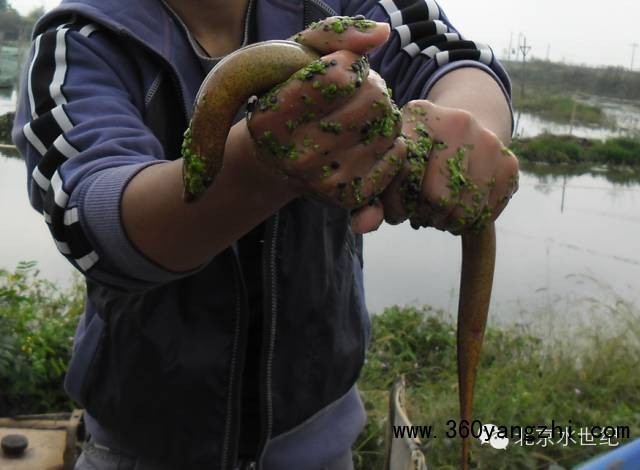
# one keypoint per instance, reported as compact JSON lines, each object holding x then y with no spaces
{"x":458,"y":175}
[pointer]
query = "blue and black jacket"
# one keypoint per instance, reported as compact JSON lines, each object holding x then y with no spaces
{"x":158,"y":356}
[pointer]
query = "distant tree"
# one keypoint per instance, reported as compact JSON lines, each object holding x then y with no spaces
{"x":11,"y":24}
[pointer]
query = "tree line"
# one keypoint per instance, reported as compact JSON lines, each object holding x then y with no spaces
{"x":558,"y":78}
{"x":15,"y":27}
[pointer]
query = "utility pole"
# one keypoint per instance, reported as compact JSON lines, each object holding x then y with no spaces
{"x":524,"y":49}
{"x":510,"y":47}
{"x":634,"y":46}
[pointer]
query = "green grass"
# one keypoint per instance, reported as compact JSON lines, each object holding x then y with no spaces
{"x":522,"y":381}
{"x":561,"y":109}
{"x":6,"y":123}
{"x":589,"y":378}
{"x":37,"y":324}
{"x":555,"y":149}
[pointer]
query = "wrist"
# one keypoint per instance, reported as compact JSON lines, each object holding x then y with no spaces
{"x":475,"y":91}
{"x":261,"y":183}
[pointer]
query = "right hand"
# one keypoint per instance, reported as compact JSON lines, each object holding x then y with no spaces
{"x":331,"y":128}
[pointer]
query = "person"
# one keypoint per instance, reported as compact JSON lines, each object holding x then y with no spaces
{"x":229,"y":332}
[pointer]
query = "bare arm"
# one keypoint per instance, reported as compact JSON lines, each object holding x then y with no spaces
{"x":182,"y":236}
{"x":475,"y":91}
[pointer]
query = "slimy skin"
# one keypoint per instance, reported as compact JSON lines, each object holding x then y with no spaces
{"x":249,"y":71}
{"x":476,"y":281}
{"x":254,"y":70}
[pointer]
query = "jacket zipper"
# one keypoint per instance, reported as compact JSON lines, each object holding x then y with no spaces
{"x":230,"y":400}
{"x":309,"y":17}
{"x":269,"y":335}
{"x":247,"y":23}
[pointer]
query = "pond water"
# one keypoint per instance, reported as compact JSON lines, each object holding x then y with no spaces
{"x":560,"y":240}
{"x":625,"y":114}
{"x":564,"y":244}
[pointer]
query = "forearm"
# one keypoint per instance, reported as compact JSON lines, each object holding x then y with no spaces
{"x":181,"y":236}
{"x":475,"y":91}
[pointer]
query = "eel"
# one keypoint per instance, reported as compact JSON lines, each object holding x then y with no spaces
{"x":254,"y":70}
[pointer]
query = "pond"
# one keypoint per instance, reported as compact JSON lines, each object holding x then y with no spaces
{"x":564,"y":243}
{"x":625,"y":114}
{"x":562,"y":239}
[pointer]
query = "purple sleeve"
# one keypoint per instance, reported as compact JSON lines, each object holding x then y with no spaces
{"x":424,"y":46}
{"x":81,"y":132}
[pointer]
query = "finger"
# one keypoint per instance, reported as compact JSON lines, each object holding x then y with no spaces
{"x":355,"y":190}
{"x":505,"y":183}
{"x":312,"y":92}
{"x":356,"y":121}
{"x":357,"y":34}
{"x":444,"y":182}
{"x":368,"y":218}
{"x":423,"y":216}
{"x":394,"y":211}
{"x":393,"y":198}
{"x":502,"y":202}
{"x":422,"y":112}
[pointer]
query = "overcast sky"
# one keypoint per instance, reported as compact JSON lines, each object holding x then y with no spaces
{"x":576,"y":31}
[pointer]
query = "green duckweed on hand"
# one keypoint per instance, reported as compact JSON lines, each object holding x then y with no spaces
{"x":457,"y":175}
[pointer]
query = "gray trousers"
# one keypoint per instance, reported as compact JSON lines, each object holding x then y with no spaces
{"x":97,"y":457}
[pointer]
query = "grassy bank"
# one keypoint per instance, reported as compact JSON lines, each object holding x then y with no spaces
{"x":37,"y":323}
{"x":522,"y":381}
{"x":554,"y":149}
{"x":561,"y":109}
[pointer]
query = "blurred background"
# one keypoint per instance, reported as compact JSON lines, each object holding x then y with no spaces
{"x":564,"y":316}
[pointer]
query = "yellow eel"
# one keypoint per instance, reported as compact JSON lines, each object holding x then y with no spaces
{"x":255,"y":69}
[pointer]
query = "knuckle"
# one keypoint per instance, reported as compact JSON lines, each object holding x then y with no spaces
{"x":514,"y":162}
{"x":399,"y":146}
{"x":489,"y":141}
{"x":513,"y":165}
{"x":437,"y":196}
{"x":344,"y":57}
{"x":462,"y":120}
{"x":414,"y":106}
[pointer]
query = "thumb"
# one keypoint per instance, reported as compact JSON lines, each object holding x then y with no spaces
{"x":356,"y":34}
{"x":367,"y":219}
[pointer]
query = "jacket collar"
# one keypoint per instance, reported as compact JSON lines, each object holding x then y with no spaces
{"x":150,"y":24}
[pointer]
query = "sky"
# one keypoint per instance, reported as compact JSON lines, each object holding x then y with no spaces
{"x":574,"y":31}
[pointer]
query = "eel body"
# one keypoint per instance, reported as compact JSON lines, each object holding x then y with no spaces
{"x":254,"y":70}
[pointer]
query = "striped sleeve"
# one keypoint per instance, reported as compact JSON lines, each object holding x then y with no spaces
{"x":79,"y":128}
{"x":423,"y":47}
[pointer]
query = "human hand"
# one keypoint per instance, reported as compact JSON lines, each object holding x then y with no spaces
{"x":330,"y":127}
{"x":458,"y":175}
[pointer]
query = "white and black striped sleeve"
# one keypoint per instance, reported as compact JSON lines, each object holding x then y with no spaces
{"x":79,"y":128}
{"x":423,"y":47}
